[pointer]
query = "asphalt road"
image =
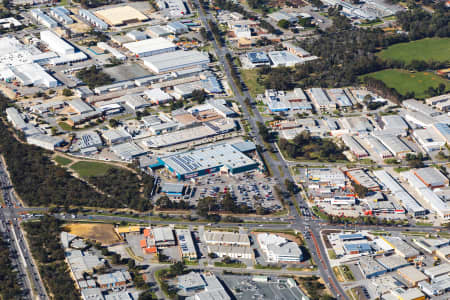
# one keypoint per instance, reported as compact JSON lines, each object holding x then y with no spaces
{"x":35,"y":288}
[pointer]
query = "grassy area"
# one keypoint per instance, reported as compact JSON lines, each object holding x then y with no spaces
{"x":188,"y":262}
{"x":88,"y":168}
{"x":437,"y":49}
{"x":64,"y":126}
{"x":62,"y":161}
{"x":424,"y":224}
{"x":404,"y":81}
{"x":250,"y":78}
{"x":230,"y":265}
{"x":331,"y":254}
{"x":401,"y":169}
{"x":268,"y":267}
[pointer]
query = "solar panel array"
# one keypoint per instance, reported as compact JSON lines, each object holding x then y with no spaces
{"x":187,"y":162}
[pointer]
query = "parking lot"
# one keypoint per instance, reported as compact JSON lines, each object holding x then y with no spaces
{"x":251,"y":189}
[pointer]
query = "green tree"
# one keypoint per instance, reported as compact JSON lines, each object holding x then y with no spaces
{"x":283,"y":24}
{"x":67,"y":92}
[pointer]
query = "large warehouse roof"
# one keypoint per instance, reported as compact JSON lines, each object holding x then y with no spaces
{"x":149,"y":45}
{"x":207,"y":157}
{"x":121,"y":15}
{"x":175,"y":60}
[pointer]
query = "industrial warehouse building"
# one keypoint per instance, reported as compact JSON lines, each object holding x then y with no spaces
{"x":121,"y":15}
{"x":207,"y":160}
{"x":150,"y":47}
{"x":176,"y":60}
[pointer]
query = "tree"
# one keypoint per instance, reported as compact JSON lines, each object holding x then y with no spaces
{"x":113,"y":123}
{"x":67,"y":92}
{"x":360,"y":190}
{"x":177,"y":268}
{"x":284,"y":24}
{"x":291,"y":186}
{"x":199,"y":96}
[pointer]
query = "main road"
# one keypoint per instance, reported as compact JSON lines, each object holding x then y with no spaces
{"x":27,"y":267}
{"x":314,"y":244}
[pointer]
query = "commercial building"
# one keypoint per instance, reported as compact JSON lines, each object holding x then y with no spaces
{"x":321,"y":100}
{"x":112,"y":280}
{"x":361,"y":177}
{"x":410,"y":204}
{"x":213,"y":290}
{"x":158,"y":31}
{"x":42,"y":18}
{"x":56,"y":44}
{"x":257,"y":59}
{"x":411,"y":275}
{"x":435,"y":288}
{"x":296,"y":50}
{"x":438,"y":99}
{"x":354,"y":146}
{"x":392,"y":262}
{"x":80,"y":263}
{"x":278,"y":249}
{"x":16,"y":119}
{"x":128,"y":151}
{"x":401,"y":247}
{"x":116,"y":53}
{"x":294,"y":100}
{"x":7,"y":23}
{"x":444,"y":106}
{"x":370,"y":267}
{"x":415,"y":105}
{"x":163,"y":237}
{"x":429,"y":139}
{"x":28,"y":74}
{"x":357,"y":248}
{"x":191,"y":282}
{"x":378,"y":147}
{"x":174,"y":8}
{"x":45,"y":141}
{"x":186,"y":244}
{"x":61,"y":14}
{"x":89,"y":139}
{"x":157,"y":96}
{"x":121,"y":15}
{"x":177,"y":27}
{"x":340,"y":97}
{"x":176,"y":60}
{"x":284,"y":59}
{"x":418,"y":118}
{"x":431,"y":245}
{"x":136,"y":35}
{"x":395,"y":122}
{"x":441,"y":207}
{"x":225,"y":238}
{"x":234,"y":252}
{"x":431,"y":177}
{"x":409,"y":294}
{"x":437,"y":271}
{"x":79,"y":106}
{"x":443,"y":130}
{"x":358,"y":125}
{"x":207,"y":160}
{"x":92,"y":19}
{"x":116,"y":136}
{"x":395,"y":145}
{"x":150,"y":47}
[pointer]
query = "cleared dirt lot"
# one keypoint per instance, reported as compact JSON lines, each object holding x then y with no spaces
{"x":102,"y":233}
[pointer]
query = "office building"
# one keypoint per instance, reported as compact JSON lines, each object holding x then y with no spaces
{"x":278,"y":249}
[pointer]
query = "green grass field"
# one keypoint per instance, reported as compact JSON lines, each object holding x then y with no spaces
{"x":404,"y":81}
{"x":437,"y":49}
{"x":250,"y":79}
{"x":87,"y":169}
{"x":62,"y":161}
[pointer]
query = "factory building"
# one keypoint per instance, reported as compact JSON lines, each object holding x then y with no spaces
{"x":174,"y":8}
{"x":431,"y":177}
{"x":378,"y":147}
{"x":191,"y":282}
{"x":354,"y":146}
{"x":45,"y":141}
{"x":176,"y":60}
{"x":224,"y":238}
{"x":116,"y":53}
{"x":128,"y":151}
{"x":257,"y":59}
{"x":437,"y":271}
{"x":186,"y":244}
{"x":441,"y":207}
{"x":285,"y":101}
{"x":177,"y":27}
{"x":340,"y":97}
{"x":56,"y":44}
{"x":411,"y":275}
{"x":438,"y":99}
{"x":296,"y":50}
{"x":370,"y":267}
{"x":207,"y":160}
{"x":360,"y":177}
{"x":28,"y":74}
{"x":92,"y":19}
{"x":283,"y":59}
{"x":16,"y":119}
{"x":150,"y":47}
{"x":429,"y":139}
{"x":418,"y":106}
{"x":395,"y":145}
{"x":42,"y":18}
{"x":235,"y":252}
{"x":321,"y":100}
{"x":61,"y":14}
{"x":392,"y":262}
{"x":157,"y":96}
{"x":163,"y":237}
{"x":358,"y":125}
{"x":278,"y":249}
{"x":401,"y":247}
{"x":395,"y":122}
{"x":121,"y":15}
{"x":158,"y":31}
{"x":408,"y":202}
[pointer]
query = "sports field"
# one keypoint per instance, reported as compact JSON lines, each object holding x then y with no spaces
{"x":87,"y":169}
{"x":437,"y":49}
{"x":404,"y":81}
